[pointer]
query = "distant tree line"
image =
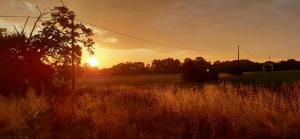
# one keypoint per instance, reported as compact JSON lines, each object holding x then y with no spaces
{"x":175,"y":66}
{"x":290,"y":64}
{"x":158,"y":66}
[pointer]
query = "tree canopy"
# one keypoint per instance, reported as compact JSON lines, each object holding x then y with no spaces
{"x":31,"y":60}
{"x":61,"y":36}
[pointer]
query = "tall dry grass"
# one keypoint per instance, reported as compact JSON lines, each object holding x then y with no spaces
{"x":155,"y":111}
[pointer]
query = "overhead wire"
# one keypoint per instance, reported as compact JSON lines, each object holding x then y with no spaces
{"x":130,"y":36}
{"x":146,"y":40}
{"x":140,"y":38}
{"x":123,"y":34}
{"x":247,"y":52}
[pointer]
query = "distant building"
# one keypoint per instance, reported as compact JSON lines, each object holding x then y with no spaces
{"x":268,"y":66}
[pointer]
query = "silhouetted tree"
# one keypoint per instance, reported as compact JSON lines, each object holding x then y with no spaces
{"x":236,"y":67}
{"x":129,"y":68}
{"x":198,"y":70}
{"x":166,"y":66}
{"x":60,"y":41}
{"x":290,"y":64}
{"x":21,"y":65}
{"x":29,"y":61}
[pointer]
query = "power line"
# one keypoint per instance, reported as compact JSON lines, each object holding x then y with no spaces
{"x":10,"y":16}
{"x":238,"y":52}
{"x":142,"y":39}
{"x":247,"y":52}
{"x":145,"y":40}
{"x":13,"y":16}
{"x":131,"y":36}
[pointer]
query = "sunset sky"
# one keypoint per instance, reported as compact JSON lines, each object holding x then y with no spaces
{"x":208,"y":28}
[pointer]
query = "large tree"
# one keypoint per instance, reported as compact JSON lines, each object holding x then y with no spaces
{"x":29,"y":60}
{"x":198,"y":70}
{"x":21,"y":65}
{"x":64,"y":39}
{"x":166,"y":66}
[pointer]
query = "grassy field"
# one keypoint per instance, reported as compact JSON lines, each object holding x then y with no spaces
{"x":158,"y":107}
{"x":248,"y":77}
{"x":135,"y":80}
{"x":265,"y":77}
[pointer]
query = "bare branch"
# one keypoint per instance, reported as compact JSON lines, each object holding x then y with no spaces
{"x":39,"y":10}
{"x":35,"y":24}
{"x":38,"y":19}
{"x":25,"y":24}
{"x":17,"y":30}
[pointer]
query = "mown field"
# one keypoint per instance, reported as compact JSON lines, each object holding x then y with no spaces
{"x":266,"y":77}
{"x":137,"y":80}
{"x":133,"y":80}
{"x":159,"y":107}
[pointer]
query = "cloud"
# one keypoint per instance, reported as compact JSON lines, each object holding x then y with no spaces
{"x":5,"y":24}
{"x":111,"y":40}
{"x":99,"y":32}
{"x":30,"y":7}
{"x":9,"y":25}
{"x":17,"y":7}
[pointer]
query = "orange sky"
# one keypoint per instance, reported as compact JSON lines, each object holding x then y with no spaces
{"x":263,"y":28}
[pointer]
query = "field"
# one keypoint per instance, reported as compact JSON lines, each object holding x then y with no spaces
{"x":160,"y":107}
{"x":137,"y":80}
{"x":267,"y":77}
{"x":134,"y":80}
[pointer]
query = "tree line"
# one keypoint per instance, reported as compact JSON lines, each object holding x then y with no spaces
{"x":158,"y":66}
{"x":175,"y":66}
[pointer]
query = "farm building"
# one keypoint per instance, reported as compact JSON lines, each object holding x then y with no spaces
{"x":268,"y":66}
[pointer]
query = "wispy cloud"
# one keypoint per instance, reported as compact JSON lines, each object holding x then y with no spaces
{"x":5,"y":24}
{"x":111,"y":40}
{"x":30,"y":7}
{"x":99,"y":32}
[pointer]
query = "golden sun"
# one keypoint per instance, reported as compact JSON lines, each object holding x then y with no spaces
{"x":93,"y":62}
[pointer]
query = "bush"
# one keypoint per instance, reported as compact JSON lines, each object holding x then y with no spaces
{"x":198,"y":70}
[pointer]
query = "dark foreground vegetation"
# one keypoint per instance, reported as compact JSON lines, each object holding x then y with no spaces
{"x":156,"y":111}
{"x":43,"y":59}
{"x":159,"y":106}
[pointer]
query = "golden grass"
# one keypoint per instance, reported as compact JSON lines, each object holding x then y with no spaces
{"x":154,"y":111}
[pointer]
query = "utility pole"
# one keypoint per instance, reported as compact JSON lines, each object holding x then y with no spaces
{"x":238,"y":70}
{"x":73,"y":53}
{"x":238,"y":52}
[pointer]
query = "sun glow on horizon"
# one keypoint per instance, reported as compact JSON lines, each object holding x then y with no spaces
{"x":93,"y":62}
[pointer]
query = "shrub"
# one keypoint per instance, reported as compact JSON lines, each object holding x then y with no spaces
{"x":198,"y":70}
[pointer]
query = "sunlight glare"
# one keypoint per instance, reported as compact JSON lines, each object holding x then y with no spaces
{"x":93,"y":61}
